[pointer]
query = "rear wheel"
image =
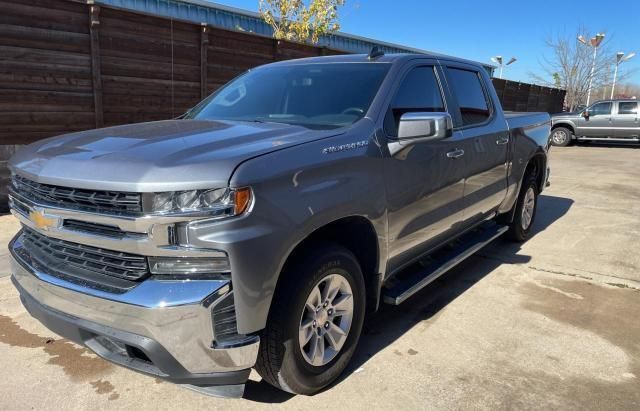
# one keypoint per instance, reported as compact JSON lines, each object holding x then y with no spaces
{"x":315,"y":321}
{"x":561,"y":136}
{"x":525,"y":212}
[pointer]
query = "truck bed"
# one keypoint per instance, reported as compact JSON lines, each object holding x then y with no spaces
{"x":518,"y":119}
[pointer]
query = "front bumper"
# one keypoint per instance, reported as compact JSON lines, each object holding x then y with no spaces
{"x":160,"y":328}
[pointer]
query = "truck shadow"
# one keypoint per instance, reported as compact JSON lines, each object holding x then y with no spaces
{"x":392,"y":322}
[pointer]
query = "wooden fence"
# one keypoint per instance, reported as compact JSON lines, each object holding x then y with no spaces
{"x":516,"y":96}
{"x":66,"y":66}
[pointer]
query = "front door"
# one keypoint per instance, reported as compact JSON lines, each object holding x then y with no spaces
{"x":599,"y":123}
{"x":486,"y":141}
{"x":424,"y":186}
{"x":625,"y":122}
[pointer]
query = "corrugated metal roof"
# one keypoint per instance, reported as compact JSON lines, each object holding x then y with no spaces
{"x":201,"y":11}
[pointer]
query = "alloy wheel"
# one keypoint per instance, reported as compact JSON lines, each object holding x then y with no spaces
{"x":559,"y":137}
{"x":528,"y":208}
{"x":326,"y":320}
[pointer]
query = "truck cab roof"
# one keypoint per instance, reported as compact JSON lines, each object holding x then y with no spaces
{"x":364,"y":58}
{"x":632,"y":100}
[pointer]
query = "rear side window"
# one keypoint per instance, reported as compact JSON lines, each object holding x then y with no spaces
{"x":627,"y":107}
{"x":472,"y":99}
{"x":600,"y":109}
{"x":419,"y":92}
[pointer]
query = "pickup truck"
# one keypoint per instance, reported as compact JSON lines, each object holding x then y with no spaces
{"x":606,"y":120}
{"x":260,"y":228}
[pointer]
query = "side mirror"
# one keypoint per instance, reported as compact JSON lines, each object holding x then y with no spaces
{"x":585,"y":114}
{"x":420,"y":127}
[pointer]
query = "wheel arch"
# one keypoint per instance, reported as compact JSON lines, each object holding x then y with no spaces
{"x":536,"y":165}
{"x":358,"y":235}
{"x":567,"y":126}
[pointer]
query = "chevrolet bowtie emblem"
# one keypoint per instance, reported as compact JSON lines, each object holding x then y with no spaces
{"x":41,"y":221}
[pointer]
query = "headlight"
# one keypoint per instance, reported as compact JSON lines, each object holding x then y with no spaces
{"x":217,"y":202}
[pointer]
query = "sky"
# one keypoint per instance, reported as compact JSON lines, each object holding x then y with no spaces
{"x":479,"y":30}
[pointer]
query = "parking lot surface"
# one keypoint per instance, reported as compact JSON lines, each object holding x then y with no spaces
{"x":552,"y":323}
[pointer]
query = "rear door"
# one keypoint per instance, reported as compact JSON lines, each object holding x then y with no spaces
{"x":600,"y":121}
{"x":482,"y":128}
{"x":424,"y":186}
{"x":625,"y":122}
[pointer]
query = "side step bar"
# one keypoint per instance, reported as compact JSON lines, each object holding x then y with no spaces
{"x":415,"y":278}
{"x":617,"y":140}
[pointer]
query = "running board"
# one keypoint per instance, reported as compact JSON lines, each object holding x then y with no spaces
{"x":405,"y":284}
{"x":617,"y":140}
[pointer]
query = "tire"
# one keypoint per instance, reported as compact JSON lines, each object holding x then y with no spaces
{"x":561,"y":137}
{"x":520,"y":227}
{"x":283,"y":360}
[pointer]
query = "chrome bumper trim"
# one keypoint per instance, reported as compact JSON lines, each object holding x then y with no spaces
{"x":175,"y":314}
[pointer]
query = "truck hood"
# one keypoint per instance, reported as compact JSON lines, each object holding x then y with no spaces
{"x":158,"y":156}
{"x":565,"y":116}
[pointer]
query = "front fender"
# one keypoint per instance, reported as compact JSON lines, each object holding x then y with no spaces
{"x":564,"y":123}
{"x":297,"y":191}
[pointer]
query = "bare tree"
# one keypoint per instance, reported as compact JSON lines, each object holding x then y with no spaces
{"x":568,"y":66}
{"x":628,"y":90}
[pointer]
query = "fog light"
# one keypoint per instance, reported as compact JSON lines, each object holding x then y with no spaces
{"x":186,"y":266}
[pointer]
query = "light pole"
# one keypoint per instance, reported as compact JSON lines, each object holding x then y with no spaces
{"x":595,"y":43}
{"x":620,"y":58}
{"x":498,"y":60}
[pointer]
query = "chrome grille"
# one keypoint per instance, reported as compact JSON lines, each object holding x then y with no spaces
{"x":100,"y":261}
{"x":98,"y":229}
{"x":88,"y":200}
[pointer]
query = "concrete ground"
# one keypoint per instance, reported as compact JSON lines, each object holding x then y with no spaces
{"x":553,"y":323}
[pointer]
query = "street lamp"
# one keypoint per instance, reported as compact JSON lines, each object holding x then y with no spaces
{"x":498,"y":60}
{"x":595,"y":43}
{"x":620,"y":58}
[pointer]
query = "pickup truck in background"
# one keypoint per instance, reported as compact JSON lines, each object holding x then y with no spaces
{"x":261,"y":227}
{"x":607,"y":120}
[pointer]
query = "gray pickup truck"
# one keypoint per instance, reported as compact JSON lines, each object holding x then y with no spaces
{"x":607,"y":120}
{"x":261,"y":227}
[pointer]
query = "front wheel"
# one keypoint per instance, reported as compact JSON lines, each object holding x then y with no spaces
{"x":315,"y":321}
{"x":561,"y":137}
{"x":525,"y":213}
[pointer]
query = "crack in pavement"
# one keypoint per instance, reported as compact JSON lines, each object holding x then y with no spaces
{"x":628,"y":283}
{"x":608,"y":279}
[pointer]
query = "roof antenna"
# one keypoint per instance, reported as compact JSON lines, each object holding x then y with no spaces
{"x":375,"y":53}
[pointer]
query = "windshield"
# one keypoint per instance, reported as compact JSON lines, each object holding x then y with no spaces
{"x":326,"y":95}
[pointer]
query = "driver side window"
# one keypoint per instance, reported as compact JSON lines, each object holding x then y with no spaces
{"x":419,"y":92}
{"x":600,"y":109}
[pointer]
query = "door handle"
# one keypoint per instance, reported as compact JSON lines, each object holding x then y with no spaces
{"x":457,"y":153}
{"x":502,"y":140}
